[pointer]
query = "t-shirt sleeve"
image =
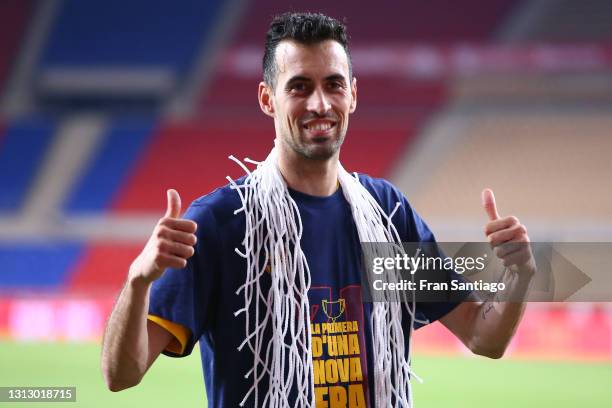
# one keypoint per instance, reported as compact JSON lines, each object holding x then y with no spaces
{"x":413,"y":229}
{"x":181,"y":300}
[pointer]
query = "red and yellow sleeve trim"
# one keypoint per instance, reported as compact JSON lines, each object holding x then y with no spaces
{"x":181,"y":334}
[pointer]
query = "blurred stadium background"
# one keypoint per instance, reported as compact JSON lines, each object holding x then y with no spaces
{"x":106,"y":104}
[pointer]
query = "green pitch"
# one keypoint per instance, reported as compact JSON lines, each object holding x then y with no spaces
{"x":450,"y":382}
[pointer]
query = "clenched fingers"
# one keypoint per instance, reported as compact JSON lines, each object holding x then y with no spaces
{"x":174,"y":248}
{"x":500,"y":224}
{"x":170,"y":261}
{"x":512,"y":233}
{"x":176,"y":235}
{"x":179,"y":224}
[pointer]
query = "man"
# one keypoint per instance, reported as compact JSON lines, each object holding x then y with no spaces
{"x":265,"y":272}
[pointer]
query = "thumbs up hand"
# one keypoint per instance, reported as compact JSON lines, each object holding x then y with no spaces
{"x":508,"y":237}
{"x":170,"y":244}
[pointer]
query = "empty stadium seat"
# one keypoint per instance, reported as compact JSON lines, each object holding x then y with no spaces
{"x":23,"y":145}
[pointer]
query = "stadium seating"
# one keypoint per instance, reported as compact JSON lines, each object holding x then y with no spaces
{"x":573,"y":21}
{"x":191,"y":157}
{"x":124,"y":142}
{"x":101,"y":265}
{"x":13,"y":19}
{"x":23,"y":145}
{"x":116,"y":54}
{"x":410,"y":20}
{"x":137,"y":33}
{"x":36,"y":266}
{"x":563,"y":154}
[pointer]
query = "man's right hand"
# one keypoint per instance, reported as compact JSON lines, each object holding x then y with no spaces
{"x":170,"y":245}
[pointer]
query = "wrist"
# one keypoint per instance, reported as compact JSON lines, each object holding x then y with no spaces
{"x":137,"y":280}
{"x":527,"y":271}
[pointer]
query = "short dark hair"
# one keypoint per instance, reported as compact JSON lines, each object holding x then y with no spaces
{"x":304,"y":28}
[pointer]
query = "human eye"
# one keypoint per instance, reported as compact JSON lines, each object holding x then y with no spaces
{"x":297,"y":87}
{"x":336,"y":85}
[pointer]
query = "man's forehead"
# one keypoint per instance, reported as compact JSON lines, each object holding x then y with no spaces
{"x":319,"y":58}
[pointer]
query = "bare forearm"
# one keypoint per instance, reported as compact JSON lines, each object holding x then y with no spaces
{"x":487,"y":328}
{"x":125,"y":345}
{"x":131,"y":344}
{"x":496,"y":321}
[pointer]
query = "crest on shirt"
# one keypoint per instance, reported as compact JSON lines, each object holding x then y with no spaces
{"x":333,"y":310}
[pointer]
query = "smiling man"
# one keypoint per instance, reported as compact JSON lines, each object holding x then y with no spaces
{"x":311,"y":126}
{"x":265,"y":272}
{"x":310,"y":92}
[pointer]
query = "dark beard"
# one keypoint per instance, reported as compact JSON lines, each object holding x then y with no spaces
{"x":316,"y":153}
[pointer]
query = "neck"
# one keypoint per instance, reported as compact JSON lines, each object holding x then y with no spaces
{"x":308,"y":176}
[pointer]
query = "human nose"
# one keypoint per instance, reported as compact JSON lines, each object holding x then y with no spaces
{"x":318,"y":102}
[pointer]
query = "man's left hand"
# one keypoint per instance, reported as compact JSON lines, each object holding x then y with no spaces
{"x":508,"y":238}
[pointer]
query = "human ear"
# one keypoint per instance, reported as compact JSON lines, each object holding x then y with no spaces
{"x":353,"y":95}
{"x":266,"y":102}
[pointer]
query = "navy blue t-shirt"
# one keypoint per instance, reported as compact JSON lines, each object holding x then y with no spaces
{"x":202,"y":297}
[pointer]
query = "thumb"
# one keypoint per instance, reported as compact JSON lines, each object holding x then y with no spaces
{"x":488,"y":202}
{"x":174,"y":204}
